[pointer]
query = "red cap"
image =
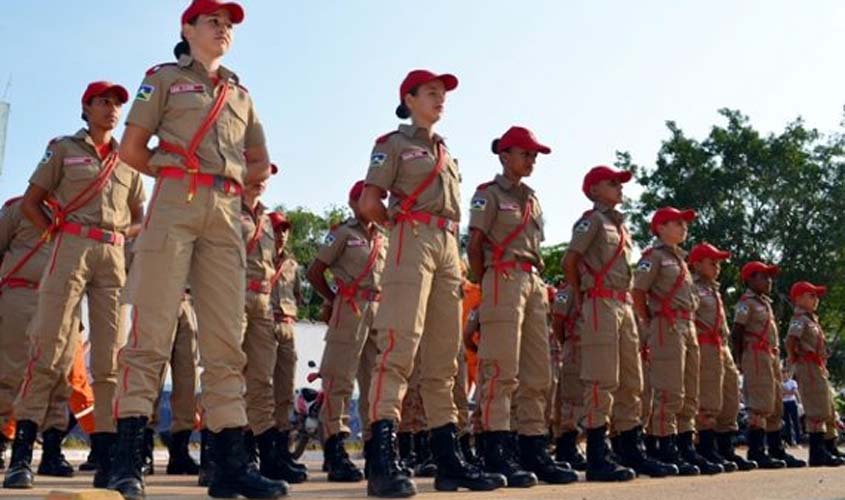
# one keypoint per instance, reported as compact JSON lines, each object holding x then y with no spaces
{"x":668,"y":214}
{"x":420,"y":77}
{"x":95,"y":89}
{"x":274,"y":169}
{"x":757,"y":267}
{"x":707,"y":251}
{"x":603,"y":173}
{"x":522,"y":138}
{"x":357,"y":189}
{"x":278,"y":220}
{"x":802,"y":287}
{"x":205,"y":7}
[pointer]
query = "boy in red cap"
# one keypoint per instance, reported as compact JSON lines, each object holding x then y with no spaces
{"x":755,"y":341}
{"x":354,"y":251}
{"x":596,"y":266}
{"x":99,"y":202}
{"x":665,"y":302}
{"x":806,"y":351}
{"x":718,"y":402}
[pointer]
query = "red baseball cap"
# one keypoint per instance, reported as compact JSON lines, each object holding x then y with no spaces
{"x":278,"y":220}
{"x":523,"y":138}
{"x":707,"y":251}
{"x":95,"y":89}
{"x":668,"y":214}
{"x":802,"y":287}
{"x":603,"y":173}
{"x":419,"y":77}
{"x":357,"y":189}
{"x":756,"y":266}
{"x":205,"y":7}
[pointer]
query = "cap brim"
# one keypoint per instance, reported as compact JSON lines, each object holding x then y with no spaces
{"x":542,"y":148}
{"x":624,"y":176}
{"x":236,"y":12}
{"x":722,"y":255}
{"x":820,"y":290}
{"x":449,"y":81}
{"x":772,"y":270}
{"x":688,"y":215}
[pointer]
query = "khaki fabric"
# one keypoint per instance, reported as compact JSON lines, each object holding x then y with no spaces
{"x":726,"y":420}
{"x":346,"y":250}
{"x":811,"y":374}
{"x":570,"y":388}
{"x":283,"y":374}
{"x":760,"y":361}
{"x":18,"y":236}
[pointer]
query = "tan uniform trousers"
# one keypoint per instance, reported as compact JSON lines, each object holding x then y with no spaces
{"x":726,"y":420}
{"x":77,"y":266}
{"x":420,"y":310}
{"x":552,"y":416}
{"x":202,"y":241}
{"x":346,"y":339}
{"x":459,"y":394}
{"x":284,"y":372}
{"x":261,"y":348}
{"x":831,"y":432}
{"x":365,"y":372}
{"x":815,"y":395}
{"x":762,"y":388}
{"x":513,"y":352}
{"x":711,"y":384}
{"x":674,"y":367}
{"x":610,"y":365}
{"x":570,"y":388}
{"x":413,"y":409}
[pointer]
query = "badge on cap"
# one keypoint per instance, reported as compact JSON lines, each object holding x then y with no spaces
{"x":478,"y":204}
{"x":377,"y":160}
{"x":583,"y":226}
{"x":47,"y":155}
{"x":644,"y":266}
{"x":145,"y":93}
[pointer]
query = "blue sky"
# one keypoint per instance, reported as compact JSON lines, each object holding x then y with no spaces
{"x":589,"y":78}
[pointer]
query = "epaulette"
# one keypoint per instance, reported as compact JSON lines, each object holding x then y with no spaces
{"x":11,"y":200}
{"x":484,"y":185}
{"x":57,"y":139}
{"x":382,"y":139}
{"x":334,"y":226}
{"x":157,"y":67}
{"x":588,"y":213}
{"x":237,"y":84}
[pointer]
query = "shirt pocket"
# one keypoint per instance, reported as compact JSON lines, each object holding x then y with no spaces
{"x":188,"y":106}
{"x":234,"y":121}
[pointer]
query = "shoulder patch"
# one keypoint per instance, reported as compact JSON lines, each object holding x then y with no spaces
{"x":330,"y":238}
{"x":145,"y":93}
{"x":644,"y":266}
{"x":582,"y":226}
{"x":47,"y":155}
{"x":377,"y":159}
{"x":742,"y":307}
{"x":157,"y":67}
{"x":796,"y":323}
{"x":478,"y":204}
{"x":561,"y":297}
{"x":383,"y":138}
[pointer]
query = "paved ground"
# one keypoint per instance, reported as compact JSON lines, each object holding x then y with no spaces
{"x":788,"y":484}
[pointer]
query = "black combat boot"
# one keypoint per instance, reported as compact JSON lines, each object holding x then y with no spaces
{"x":688,"y":452}
{"x":407,"y":456}
{"x":279,"y":464}
{"x":534,"y":454}
{"x":830,"y":446}
{"x":566,"y":450}
{"x":53,"y":462}
{"x":341,"y":468}
{"x":19,"y":475}
{"x":467,"y":452}
{"x":631,"y":454}
{"x":180,"y":462}
{"x":452,"y":471}
{"x":235,"y":473}
{"x":725,"y":445}
{"x":102,"y":446}
{"x":425,"y":461}
{"x":669,"y":454}
{"x":206,"y":459}
{"x":600,"y":465}
{"x":774,"y":440}
{"x":499,"y":459}
{"x":3,"y":441}
{"x":127,"y":476}
{"x":148,"y":467}
{"x":757,"y":451}
{"x":383,"y":477}
{"x":283,"y":450}
{"x":90,"y":463}
{"x":707,"y":449}
{"x":819,"y":456}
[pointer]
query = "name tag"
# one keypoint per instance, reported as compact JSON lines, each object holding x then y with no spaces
{"x":509,"y":207}
{"x":356,"y":243}
{"x":182,"y":88}
{"x":414,"y":154}
{"x":668,"y":262}
{"x":78,"y":160}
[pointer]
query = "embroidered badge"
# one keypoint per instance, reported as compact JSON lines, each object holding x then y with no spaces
{"x":47,"y":155}
{"x":145,"y":93}
{"x":742,"y":308}
{"x":377,"y":160}
{"x":413,"y":154}
{"x":644,"y":266}
{"x":478,"y":204}
{"x":355,"y":242}
{"x":561,"y":297}
{"x":77,"y":160}
{"x":330,"y":238}
{"x":182,"y":88}
{"x":509,"y":207}
{"x":583,"y":226}
{"x":796,"y":324}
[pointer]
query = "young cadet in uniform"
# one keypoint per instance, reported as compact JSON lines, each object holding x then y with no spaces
{"x":807,"y":351}
{"x":284,"y":299}
{"x":506,"y":229}
{"x":596,"y":266}
{"x":665,"y":301}
{"x":755,"y":339}
{"x":354,"y":252}
{"x":210,"y":139}
{"x":420,"y":306}
{"x":712,"y":332}
{"x":570,"y":393}
{"x":100,"y":202}
{"x":24,"y":256}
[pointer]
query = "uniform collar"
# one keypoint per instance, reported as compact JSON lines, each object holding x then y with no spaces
{"x":259,"y":209}
{"x":675,"y":250}
{"x":508,"y":185}
{"x":416,"y":132}
{"x":762,"y":298}
{"x":800,"y":311}
{"x":709,"y":283}
{"x":82,"y":136}
{"x":611,"y":212}
{"x":188,"y":62}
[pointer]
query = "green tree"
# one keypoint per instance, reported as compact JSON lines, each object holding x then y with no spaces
{"x":553,"y":273}
{"x":778,"y":197}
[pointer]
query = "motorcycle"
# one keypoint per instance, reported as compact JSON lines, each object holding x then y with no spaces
{"x":305,"y":419}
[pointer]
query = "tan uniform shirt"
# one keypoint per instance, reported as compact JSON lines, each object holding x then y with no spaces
{"x":174,"y":99}
{"x":346,"y":250}
{"x":658,"y":272}
{"x":283,"y":296}
{"x":709,"y":305}
{"x":401,"y":161}
{"x":754,"y":312}
{"x":497,"y":210}
{"x":806,"y":328}
{"x":596,"y":236}
{"x":259,"y":261}
{"x":18,"y":236}
{"x":71,"y":164}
